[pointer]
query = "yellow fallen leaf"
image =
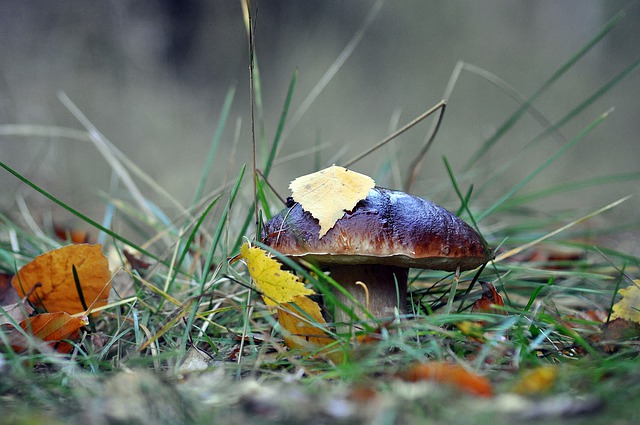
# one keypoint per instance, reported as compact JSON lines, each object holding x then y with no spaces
{"x":536,"y":381}
{"x":300,"y":318}
{"x":277,"y":286}
{"x":628,"y":307}
{"x":50,"y":282}
{"x":471,"y":329}
{"x":328,"y":193}
{"x":302,"y":323}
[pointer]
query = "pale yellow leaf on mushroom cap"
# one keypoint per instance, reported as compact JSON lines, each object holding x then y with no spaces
{"x":328,"y":193}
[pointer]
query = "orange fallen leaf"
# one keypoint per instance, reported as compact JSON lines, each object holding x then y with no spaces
{"x":53,"y":328}
{"x":451,"y":374}
{"x":489,"y":300}
{"x":328,"y":193}
{"x":375,"y":335}
{"x":362,"y":394}
{"x":54,"y":272}
{"x":485,"y":304}
{"x":596,"y":316}
{"x":66,"y":233}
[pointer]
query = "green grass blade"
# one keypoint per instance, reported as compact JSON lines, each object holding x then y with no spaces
{"x":215,"y":143}
{"x":548,"y":162}
{"x":563,"y":187}
{"x":84,"y":136}
{"x":244,"y":228}
{"x":187,"y":245}
{"x":209,"y":260}
{"x":283,"y":118}
{"x":221,"y":223}
{"x":76,"y":281}
{"x":535,"y":294}
{"x":588,"y":101}
{"x":568,"y":117}
{"x":262,"y":199}
{"x":77,"y":213}
{"x":511,"y":121}
{"x":463,"y":199}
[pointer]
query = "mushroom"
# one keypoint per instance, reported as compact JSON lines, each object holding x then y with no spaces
{"x":376,"y":243}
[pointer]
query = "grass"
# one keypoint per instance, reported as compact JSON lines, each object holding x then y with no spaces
{"x":189,"y":340}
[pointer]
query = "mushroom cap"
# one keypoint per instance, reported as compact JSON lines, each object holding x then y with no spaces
{"x":387,"y":227}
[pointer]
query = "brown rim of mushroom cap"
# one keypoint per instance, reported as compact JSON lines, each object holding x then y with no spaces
{"x":388,"y":227}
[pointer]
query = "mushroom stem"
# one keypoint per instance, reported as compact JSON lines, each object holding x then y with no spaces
{"x":387,"y":287}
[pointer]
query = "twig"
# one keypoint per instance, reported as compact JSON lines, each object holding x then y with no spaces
{"x":416,"y":165}
{"x":273,"y":189}
{"x":392,"y":136}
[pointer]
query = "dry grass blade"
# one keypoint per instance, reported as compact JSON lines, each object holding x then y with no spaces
{"x":106,"y":149}
{"x":28,"y":130}
{"x":332,"y":71}
{"x":528,"y":245}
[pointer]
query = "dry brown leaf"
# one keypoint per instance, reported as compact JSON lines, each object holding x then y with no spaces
{"x":616,"y":333}
{"x":52,"y":328}
{"x":14,"y":309}
{"x":137,"y":264}
{"x":451,"y":374}
{"x":8,"y":294}
{"x":15,"y":313}
{"x":54,"y":272}
{"x":489,"y":300}
{"x":328,"y":193}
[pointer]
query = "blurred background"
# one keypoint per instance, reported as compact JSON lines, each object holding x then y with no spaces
{"x":152,"y":76}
